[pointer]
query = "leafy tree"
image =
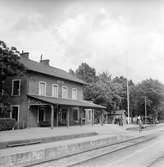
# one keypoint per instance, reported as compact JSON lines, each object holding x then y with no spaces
{"x":112,"y":93}
{"x":86,"y":73}
{"x":104,"y":82}
{"x":9,"y":66}
{"x":120,"y":91}
{"x":153,"y":90}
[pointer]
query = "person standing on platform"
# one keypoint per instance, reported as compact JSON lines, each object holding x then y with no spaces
{"x":139,"y":123}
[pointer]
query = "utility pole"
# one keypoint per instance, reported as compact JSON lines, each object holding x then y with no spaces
{"x":145,"y":110}
{"x":128,"y":100}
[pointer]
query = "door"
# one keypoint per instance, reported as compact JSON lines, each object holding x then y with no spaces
{"x":15,"y":113}
{"x":41,"y":115}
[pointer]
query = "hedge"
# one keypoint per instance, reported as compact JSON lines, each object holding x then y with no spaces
{"x":7,"y":123}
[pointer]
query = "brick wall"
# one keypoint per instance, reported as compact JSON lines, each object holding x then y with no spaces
{"x":34,"y":79}
{"x":30,"y":85}
{"x":21,"y":100}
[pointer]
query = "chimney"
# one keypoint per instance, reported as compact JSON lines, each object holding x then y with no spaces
{"x":45,"y":62}
{"x":25,"y":55}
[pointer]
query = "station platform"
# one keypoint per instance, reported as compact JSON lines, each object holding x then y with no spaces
{"x":71,"y":141}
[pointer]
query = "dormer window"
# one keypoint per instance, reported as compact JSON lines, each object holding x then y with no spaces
{"x":74,"y":93}
{"x":55,"y":90}
{"x":16,"y":83}
{"x":64,"y":92}
{"x":42,"y":88}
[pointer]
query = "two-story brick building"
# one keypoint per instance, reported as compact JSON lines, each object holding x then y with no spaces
{"x":46,"y":93}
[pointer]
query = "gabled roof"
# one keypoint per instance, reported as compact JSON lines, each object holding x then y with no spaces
{"x":67,"y":102}
{"x":49,"y":70}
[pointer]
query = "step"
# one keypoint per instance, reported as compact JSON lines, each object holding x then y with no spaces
{"x":44,"y":140}
{"x":33,"y":154}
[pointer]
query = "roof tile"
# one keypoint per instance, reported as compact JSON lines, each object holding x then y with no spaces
{"x":49,"y":70}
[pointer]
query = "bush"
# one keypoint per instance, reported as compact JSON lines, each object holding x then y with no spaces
{"x":44,"y":124}
{"x":7,"y":123}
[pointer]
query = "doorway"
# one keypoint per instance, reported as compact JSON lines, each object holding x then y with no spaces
{"x":15,"y":113}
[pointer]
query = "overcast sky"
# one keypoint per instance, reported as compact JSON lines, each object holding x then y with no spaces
{"x":116,"y":36}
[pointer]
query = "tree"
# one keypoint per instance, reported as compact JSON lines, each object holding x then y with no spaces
{"x":86,"y":73}
{"x":9,"y":66}
{"x":153,"y":90}
{"x":112,"y":93}
{"x":104,"y":82}
{"x":120,"y":91}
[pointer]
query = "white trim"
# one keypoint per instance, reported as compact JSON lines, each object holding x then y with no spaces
{"x":12,"y":91}
{"x":67,"y":92}
{"x":18,"y":112}
{"x":53,"y":90}
{"x":76,"y":93}
{"x":40,"y":89}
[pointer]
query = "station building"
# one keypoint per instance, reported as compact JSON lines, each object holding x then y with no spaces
{"x":48,"y":94}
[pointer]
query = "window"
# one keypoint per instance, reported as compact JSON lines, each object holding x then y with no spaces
{"x":42,"y":88}
{"x":55,"y":90}
{"x":16,"y":87}
{"x":64,"y":92}
{"x":15,"y":113}
{"x":74,"y":93}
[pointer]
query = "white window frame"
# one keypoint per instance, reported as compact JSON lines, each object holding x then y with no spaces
{"x":67,"y":92}
{"x":76,"y":93}
{"x":41,"y":82}
{"x":53,"y":95}
{"x":18,"y":112}
{"x":12,"y":90}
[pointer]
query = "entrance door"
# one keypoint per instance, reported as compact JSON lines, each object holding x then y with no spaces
{"x":63,"y":117}
{"x":41,"y":115}
{"x":15,"y":113}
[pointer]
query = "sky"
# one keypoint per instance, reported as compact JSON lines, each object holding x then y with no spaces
{"x":121,"y":37}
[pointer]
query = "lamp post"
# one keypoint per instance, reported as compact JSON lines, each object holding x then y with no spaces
{"x":145,"y":110}
{"x":127,"y":89}
{"x":128,"y":100}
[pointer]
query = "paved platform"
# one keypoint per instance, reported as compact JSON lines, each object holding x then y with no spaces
{"x":22,"y":156}
{"x":36,"y":133}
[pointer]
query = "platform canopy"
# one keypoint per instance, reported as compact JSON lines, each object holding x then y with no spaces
{"x":66,"y":102}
